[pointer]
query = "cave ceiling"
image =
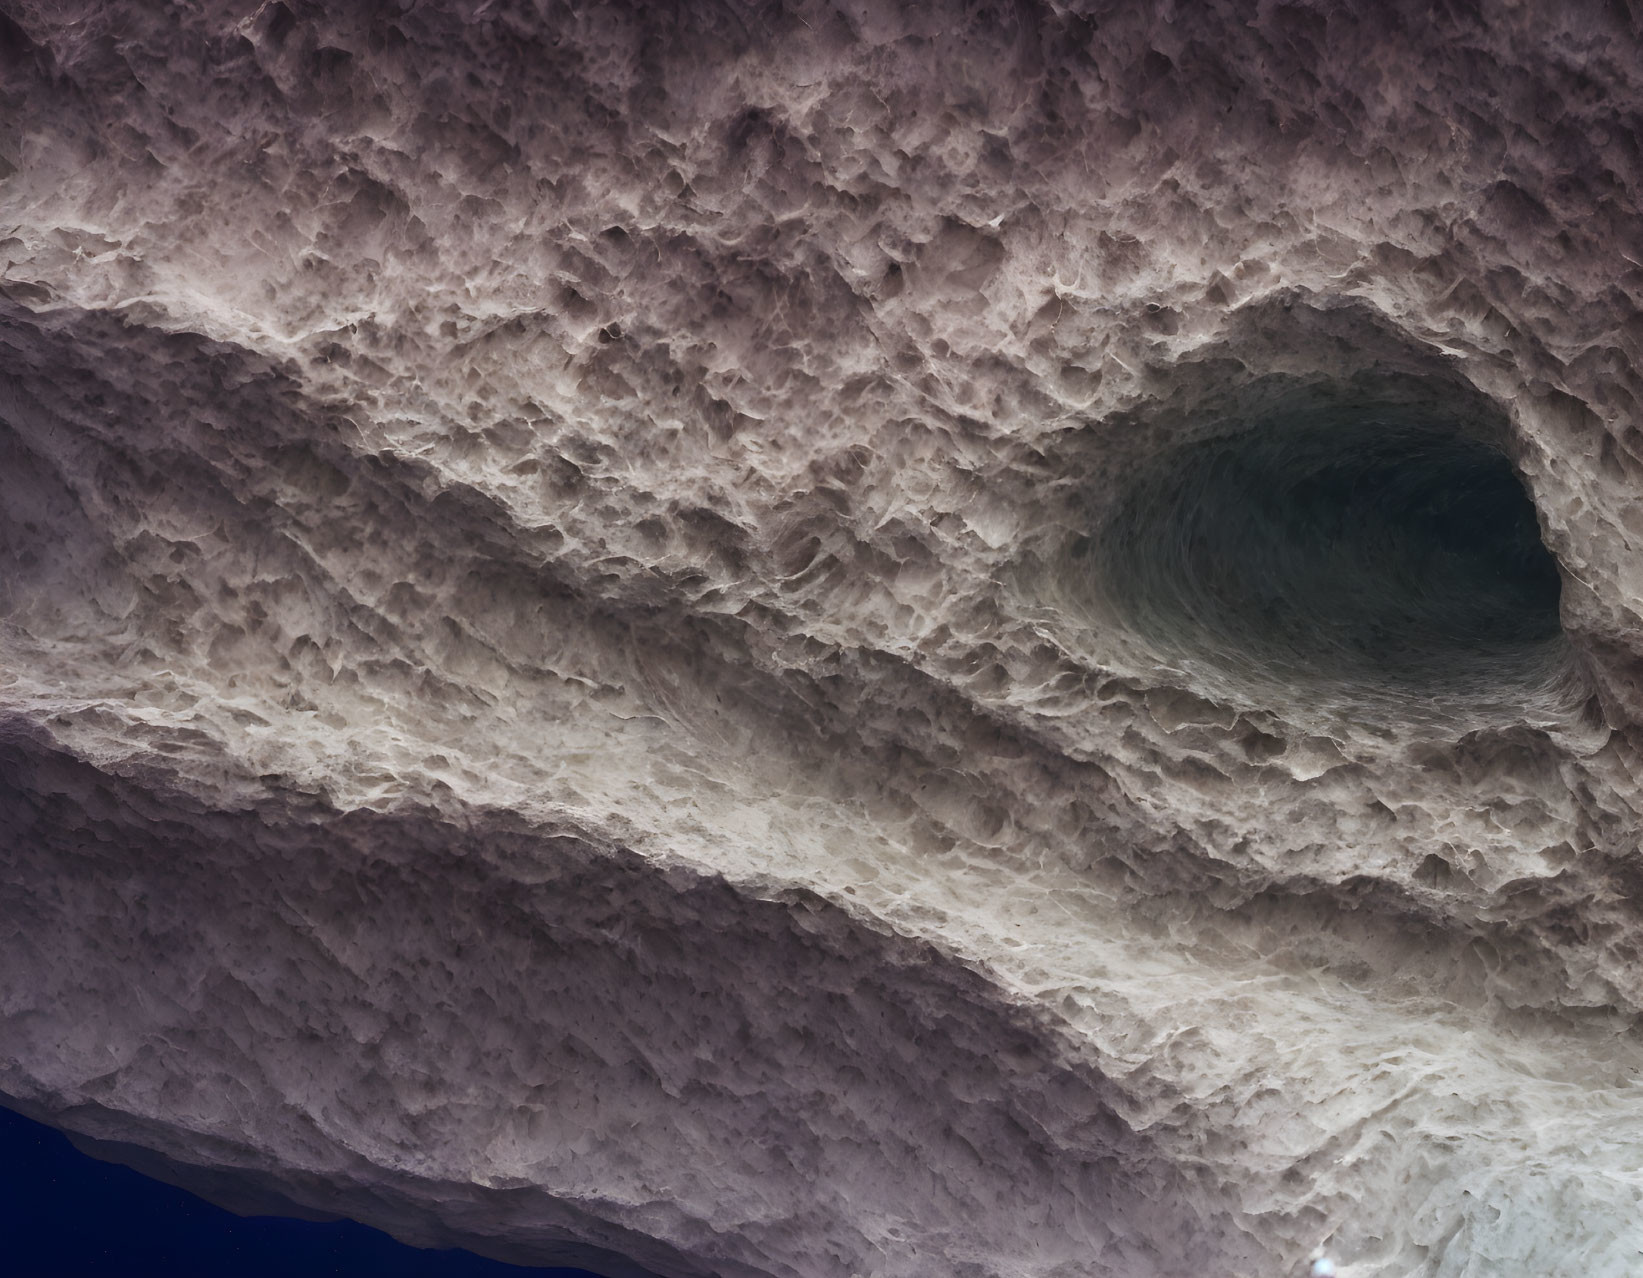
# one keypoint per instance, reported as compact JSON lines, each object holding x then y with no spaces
{"x":801,"y":640}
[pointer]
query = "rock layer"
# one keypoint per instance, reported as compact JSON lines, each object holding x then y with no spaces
{"x":815,"y":640}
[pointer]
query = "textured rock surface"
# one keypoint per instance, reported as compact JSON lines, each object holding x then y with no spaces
{"x":723,"y":638}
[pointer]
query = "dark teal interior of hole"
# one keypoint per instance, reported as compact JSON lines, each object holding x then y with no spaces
{"x":1354,"y":544}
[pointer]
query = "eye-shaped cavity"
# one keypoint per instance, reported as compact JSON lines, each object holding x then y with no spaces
{"x":1353,"y":546}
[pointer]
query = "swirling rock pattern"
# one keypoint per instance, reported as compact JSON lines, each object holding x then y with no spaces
{"x":774,"y":639}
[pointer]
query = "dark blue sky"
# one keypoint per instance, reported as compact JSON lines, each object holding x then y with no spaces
{"x":63,"y":1213}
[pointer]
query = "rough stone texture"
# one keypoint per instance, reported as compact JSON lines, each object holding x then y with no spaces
{"x":592,"y":661}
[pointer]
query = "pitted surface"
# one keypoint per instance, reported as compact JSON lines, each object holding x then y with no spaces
{"x":592,"y":662}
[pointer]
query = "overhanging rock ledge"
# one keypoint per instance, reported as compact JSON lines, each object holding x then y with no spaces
{"x":800,"y":641}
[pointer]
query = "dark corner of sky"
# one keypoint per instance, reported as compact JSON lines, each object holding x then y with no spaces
{"x":64,"y":1214}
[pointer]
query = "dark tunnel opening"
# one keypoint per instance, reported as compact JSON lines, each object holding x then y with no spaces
{"x":1353,"y":545}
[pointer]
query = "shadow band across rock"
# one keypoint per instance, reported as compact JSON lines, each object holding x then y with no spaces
{"x":401,"y":997}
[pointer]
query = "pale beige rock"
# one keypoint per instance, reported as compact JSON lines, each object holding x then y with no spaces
{"x":587,"y":669}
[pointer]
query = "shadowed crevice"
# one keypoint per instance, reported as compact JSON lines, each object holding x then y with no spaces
{"x":1358,"y":543}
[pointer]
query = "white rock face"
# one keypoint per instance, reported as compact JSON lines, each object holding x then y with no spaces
{"x":780,"y":640}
